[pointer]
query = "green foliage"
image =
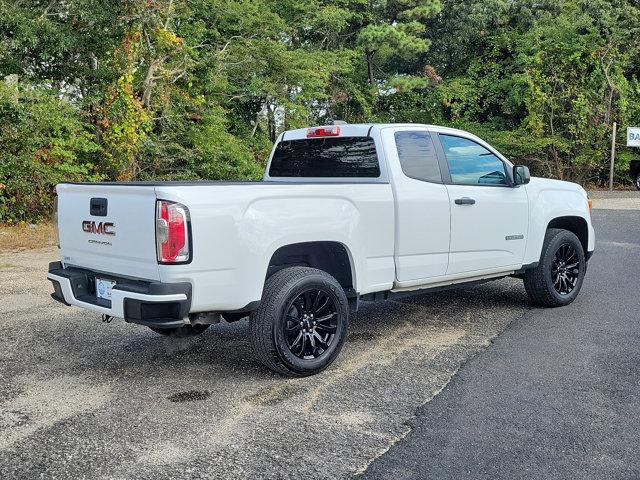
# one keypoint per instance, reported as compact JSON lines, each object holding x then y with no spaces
{"x":125,"y":121}
{"x":546,"y":80}
{"x":96,"y":89}
{"x":43,"y":141}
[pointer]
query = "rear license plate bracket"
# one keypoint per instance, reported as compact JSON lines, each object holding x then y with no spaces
{"x":104,"y":287}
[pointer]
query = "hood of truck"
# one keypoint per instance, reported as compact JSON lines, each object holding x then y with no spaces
{"x":558,"y":185}
{"x":118,"y":238}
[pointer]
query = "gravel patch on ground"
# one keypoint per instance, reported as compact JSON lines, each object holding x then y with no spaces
{"x":80,"y":398}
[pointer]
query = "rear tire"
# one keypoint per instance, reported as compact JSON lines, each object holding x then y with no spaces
{"x":637,"y":182}
{"x":557,"y":279}
{"x":181,"y":332}
{"x":301,"y":323}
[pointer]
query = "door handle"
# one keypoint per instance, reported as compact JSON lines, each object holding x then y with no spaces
{"x":465,"y":201}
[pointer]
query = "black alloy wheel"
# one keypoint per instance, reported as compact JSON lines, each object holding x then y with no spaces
{"x":310,"y":324}
{"x":565,"y":269}
{"x":557,"y":278}
{"x":301,"y":323}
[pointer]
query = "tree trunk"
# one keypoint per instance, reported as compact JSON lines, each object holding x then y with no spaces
{"x":271,"y":123}
{"x":255,"y":127}
{"x":150,"y":82}
{"x":370,"y":54}
{"x":608,"y":105}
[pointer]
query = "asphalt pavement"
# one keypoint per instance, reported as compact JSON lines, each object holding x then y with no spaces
{"x":468,"y":383}
{"x":556,"y":396}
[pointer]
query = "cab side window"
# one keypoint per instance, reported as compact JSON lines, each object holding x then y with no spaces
{"x":417,"y":156}
{"x":471,"y":163}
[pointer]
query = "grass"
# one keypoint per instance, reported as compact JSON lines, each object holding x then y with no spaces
{"x":26,"y":237}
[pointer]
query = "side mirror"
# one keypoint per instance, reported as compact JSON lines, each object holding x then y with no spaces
{"x":521,"y":175}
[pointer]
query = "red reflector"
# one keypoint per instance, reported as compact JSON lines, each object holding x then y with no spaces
{"x":332,"y":131}
{"x":172,"y":236}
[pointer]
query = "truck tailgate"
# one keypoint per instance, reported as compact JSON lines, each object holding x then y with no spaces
{"x":115,"y":235}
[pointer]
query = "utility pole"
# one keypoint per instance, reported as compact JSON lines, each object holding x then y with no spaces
{"x":613,"y":155}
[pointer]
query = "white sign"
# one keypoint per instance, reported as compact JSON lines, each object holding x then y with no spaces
{"x":633,"y":137}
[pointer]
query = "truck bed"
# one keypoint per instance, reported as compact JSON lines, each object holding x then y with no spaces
{"x":235,"y":229}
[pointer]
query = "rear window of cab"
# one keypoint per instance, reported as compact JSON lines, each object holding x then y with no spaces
{"x":341,"y":157}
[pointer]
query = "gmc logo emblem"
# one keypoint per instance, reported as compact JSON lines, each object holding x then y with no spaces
{"x":101,"y":228}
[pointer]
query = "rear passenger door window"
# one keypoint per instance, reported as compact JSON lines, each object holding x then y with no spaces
{"x":472,"y":164}
{"x":417,"y":155}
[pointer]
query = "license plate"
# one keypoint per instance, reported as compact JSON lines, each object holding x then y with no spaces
{"x":103,"y":288}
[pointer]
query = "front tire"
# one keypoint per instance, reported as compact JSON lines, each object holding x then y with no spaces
{"x":557,"y":279}
{"x":301,"y":323}
{"x":637,"y":181}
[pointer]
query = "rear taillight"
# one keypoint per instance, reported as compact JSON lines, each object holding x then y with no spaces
{"x":172,"y":232}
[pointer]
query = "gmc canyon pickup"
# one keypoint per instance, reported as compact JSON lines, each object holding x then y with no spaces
{"x":345,"y":213}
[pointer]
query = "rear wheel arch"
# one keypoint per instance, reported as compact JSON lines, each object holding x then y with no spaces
{"x":329,"y":256}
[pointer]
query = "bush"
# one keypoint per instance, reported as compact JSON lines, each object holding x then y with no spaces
{"x":43,"y":141}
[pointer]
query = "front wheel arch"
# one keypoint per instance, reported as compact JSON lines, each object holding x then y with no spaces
{"x":576,"y":225}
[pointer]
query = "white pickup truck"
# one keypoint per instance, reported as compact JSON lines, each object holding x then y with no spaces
{"x":345,"y":213}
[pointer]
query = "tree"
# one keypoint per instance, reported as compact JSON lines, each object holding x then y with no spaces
{"x":159,"y":89}
{"x":394,"y":29}
{"x":42,"y":142}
